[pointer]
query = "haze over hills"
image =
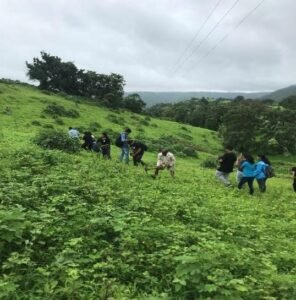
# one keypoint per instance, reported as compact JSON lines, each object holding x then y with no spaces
{"x":152,"y":98}
{"x":281,"y":94}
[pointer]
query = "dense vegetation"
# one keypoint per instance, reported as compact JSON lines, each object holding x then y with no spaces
{"x":74,"y":226}
{"x":249,"y":125}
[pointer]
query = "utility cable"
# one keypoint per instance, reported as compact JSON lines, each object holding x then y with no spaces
{"x":209,"y":33}
{"x":228,"y":34}
{"x":196,"y":35}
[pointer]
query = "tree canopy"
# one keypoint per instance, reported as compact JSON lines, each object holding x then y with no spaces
{"x":55,"y":75}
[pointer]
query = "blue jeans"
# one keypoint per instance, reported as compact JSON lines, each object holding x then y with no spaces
{"x":124,"y":154}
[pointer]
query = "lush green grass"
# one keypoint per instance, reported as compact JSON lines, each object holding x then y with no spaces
{"x":73,"y":226}
{"x":25,"y":105}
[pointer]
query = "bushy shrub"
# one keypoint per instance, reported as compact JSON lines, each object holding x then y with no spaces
{"x":190,"y":152}
{"x":116,"y":119}
{"x":54,"y":139}
{"x":72,"y":113}
{"x":180,"y":147}
{"x":94,"y":126}
{"x":185,"y":136}
{"x":209,"y":163}
{"x":48,"y":126}
{"x":59,"y":121}
{"x":36,"y":123}
{"x":59,"y":110}
{"x":184,"y":128}
{"x":144,"y":122}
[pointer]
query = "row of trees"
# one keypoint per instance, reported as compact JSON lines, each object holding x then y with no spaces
{"x":246,"y":124}
{"x":57,"y":76}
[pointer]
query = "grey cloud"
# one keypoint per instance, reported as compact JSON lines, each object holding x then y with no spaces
{"x":143,"y":39}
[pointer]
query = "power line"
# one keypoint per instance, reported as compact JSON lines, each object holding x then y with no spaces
{"x":196,"y":35}
{"x":209,"y":33}
{"x":228,"y":34}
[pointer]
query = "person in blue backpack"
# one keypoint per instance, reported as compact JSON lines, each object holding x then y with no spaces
{"x":248,"y":168}
{"x":124,"y":155}
{"x":260,"y":171}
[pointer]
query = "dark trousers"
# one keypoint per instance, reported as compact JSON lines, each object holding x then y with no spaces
{"x":106,"y":152}
{"x":137,"y":159}
{"x":87,"y":146}
{"x":248,"y":180}
{"x":294,"y":185}
{"x":262,"y":184}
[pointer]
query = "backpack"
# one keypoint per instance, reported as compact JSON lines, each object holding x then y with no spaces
{"x":118,"y":141}
{"x":269,"y":171}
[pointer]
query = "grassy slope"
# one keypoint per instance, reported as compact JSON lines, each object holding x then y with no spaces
{"x":173,"y":237}
{"x":26,"y":105}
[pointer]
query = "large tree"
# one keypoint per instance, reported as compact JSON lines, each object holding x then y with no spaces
{"x":55,"y":75}
{"x":134,"y":103}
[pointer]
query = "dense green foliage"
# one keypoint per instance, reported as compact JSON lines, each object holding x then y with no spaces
{"x":246,"y":124}
{"x":55,"y":75}
{"x":75,"y":226}
{"x":54,"y":139}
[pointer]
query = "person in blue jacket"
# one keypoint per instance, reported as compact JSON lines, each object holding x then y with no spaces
{"x":248,"y":169}
{"x":260,"y":174}
{"x":124,"y":155}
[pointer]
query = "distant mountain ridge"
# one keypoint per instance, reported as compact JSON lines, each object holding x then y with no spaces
{"x":281,"y":94}
{"x":152,"y":98}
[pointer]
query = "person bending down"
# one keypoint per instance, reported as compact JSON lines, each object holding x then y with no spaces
{"x":165,"y":160}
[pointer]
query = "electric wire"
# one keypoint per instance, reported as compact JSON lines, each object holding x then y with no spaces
{"x":179,"y":59}
{"x":209,"y":34}
{"x":228,"y":34}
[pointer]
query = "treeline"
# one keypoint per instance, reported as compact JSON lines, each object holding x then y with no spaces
{"x":57,"y":76}
{"x":248,"y":125}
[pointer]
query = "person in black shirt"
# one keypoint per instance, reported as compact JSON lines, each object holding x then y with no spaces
{"x":138,"y":150}
{"x":105,"y":145}
{"x":226,"y":163}
{"x":88,"y":141}
{"x":293,"y":170}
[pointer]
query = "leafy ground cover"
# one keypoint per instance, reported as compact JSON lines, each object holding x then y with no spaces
{"x":74,"y":226}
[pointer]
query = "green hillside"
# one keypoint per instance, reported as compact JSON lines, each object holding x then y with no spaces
{"x":22,"y":113}
{"x":281,"y":94}
{"x":75,"y":226}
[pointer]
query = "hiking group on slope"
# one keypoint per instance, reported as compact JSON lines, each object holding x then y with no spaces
{"x":165,"y":159}
{"x":247,"y":169}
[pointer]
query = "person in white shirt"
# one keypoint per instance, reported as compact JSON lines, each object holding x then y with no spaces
{"x":165,"y":160}
{"x":73,"y":133}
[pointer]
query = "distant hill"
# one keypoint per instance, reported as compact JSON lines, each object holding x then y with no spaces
{"x":152,"y":98}
{"x":281,"y":94}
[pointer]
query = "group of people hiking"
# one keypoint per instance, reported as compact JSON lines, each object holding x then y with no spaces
{"x":165,"y":159}
{"x":247,"y":170}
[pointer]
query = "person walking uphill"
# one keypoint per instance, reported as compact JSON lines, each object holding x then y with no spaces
{"x":248,"y":169}
{"x":122,"y":142}
{"x":226,"y":162}
{"x":105,"y":143}
{"x":138,"y":150}
{"x":260,"y":172}
{"x":165,"y":159}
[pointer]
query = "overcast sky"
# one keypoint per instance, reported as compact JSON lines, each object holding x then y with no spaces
{"x":145,"y":40}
